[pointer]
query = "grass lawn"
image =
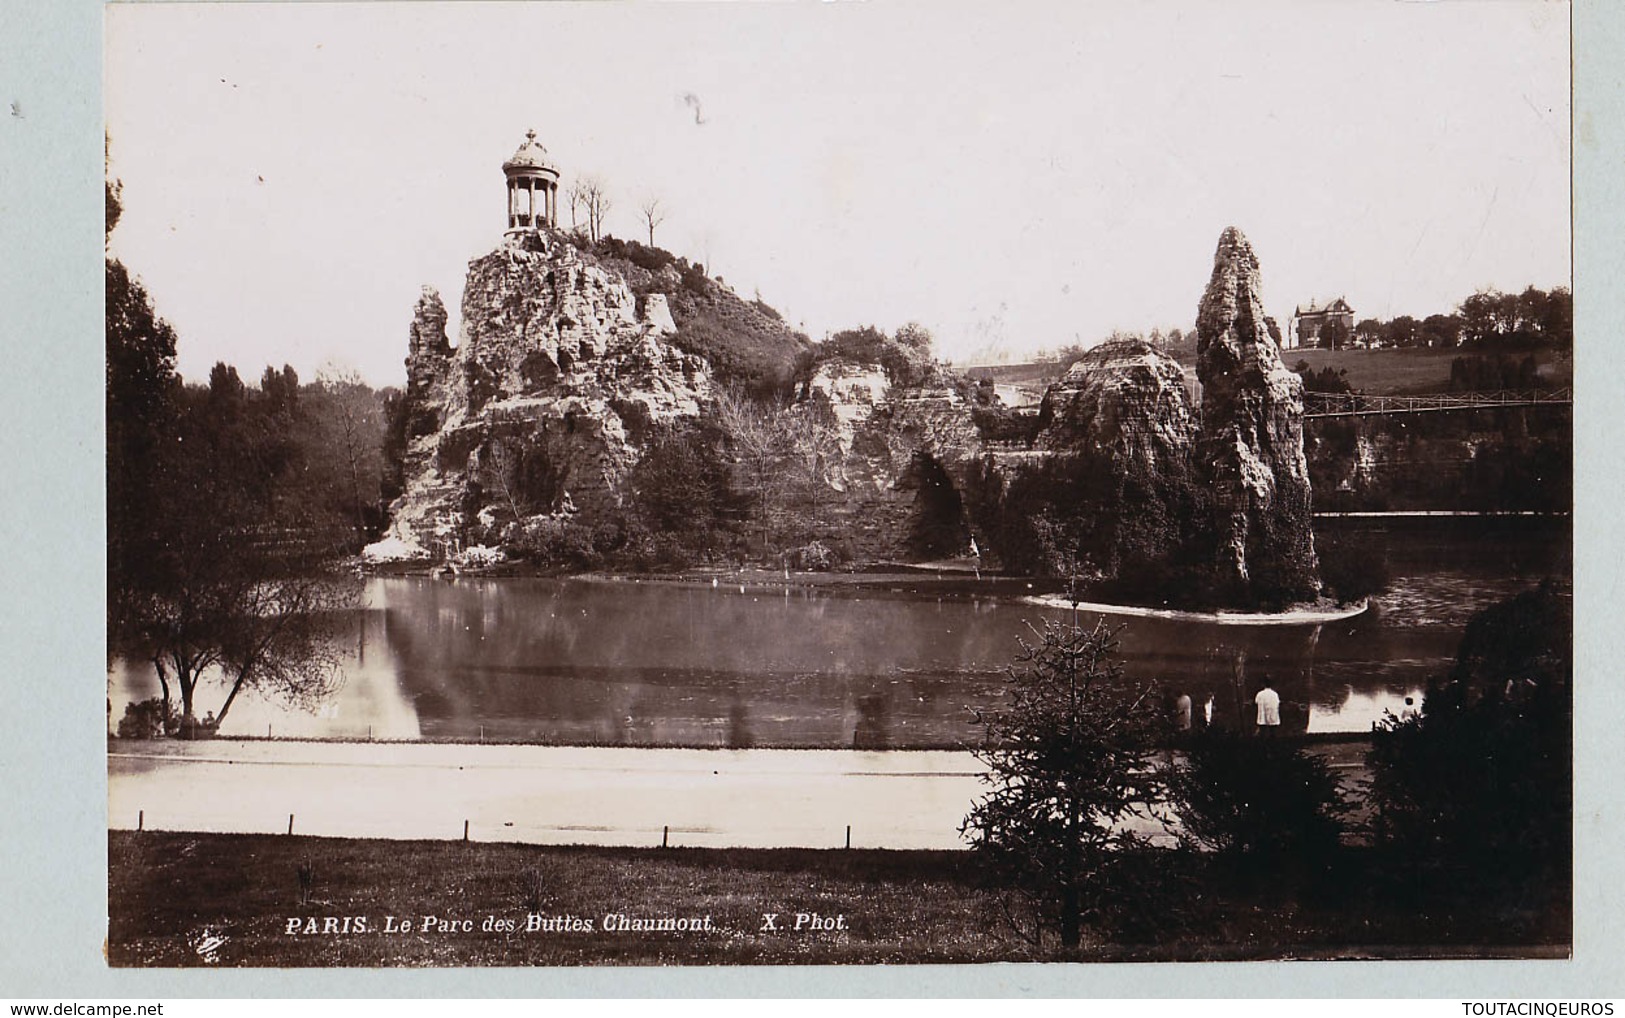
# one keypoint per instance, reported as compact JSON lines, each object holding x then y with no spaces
{"x":1387,"y":372}
{"x":1375,"y":372}
{"x":179,"y":899}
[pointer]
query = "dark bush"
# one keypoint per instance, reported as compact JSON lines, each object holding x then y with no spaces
{"x":1256,"y":799}
{"x":1475,"y":790}
{"x":148,"y":720}
{"x":1352,"y":566}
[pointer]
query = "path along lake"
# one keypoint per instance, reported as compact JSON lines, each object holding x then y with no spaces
{"x":888,"y":666}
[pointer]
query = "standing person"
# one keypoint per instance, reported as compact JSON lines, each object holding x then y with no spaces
{"x":1268,"y":702}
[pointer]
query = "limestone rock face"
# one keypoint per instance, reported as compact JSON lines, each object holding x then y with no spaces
{"x":1250,"y":449}
{"x":427,"y":350}
{"x":543,"y":404}
{"x":1126,"y":399}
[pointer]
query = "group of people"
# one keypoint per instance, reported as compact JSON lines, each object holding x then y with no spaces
{"x":1266,"y":714}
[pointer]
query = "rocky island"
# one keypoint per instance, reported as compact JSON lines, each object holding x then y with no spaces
{"x":580,"y":422}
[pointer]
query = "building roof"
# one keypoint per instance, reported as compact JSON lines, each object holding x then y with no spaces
{"x":531,"y":156}
{"x":1338,"y":306}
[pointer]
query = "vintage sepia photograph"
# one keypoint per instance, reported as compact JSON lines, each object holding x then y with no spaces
{"x":841,"y":483}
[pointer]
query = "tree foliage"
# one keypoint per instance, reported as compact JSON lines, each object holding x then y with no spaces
{"x":228,"y":579}
{"x":1328,"y":379}
{"x":1476,"y":788}
{"x":1486,"y":320}
{"x":683,"y":496}
{"x":1263,"y":802}
{"x":216,"y":545}
{"x":1067,"y":761}
{"x":905,"y":357}
{"x":142,"y":388}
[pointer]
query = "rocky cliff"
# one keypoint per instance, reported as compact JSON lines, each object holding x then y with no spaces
{"x":541,"y":407}
{"x":1250,"y":450}
{"x":569,"y":425}
{"x":1124,"y":399}
{"x":1517,"y":459}
{"x":1105,"y":495}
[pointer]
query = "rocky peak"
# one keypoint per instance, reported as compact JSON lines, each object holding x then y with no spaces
{"x":427,"y":349}
{"x":1250,"y":450}
{"x":547,"y":397}
{"x":1232,"y":334}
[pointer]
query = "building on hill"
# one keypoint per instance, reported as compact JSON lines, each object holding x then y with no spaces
{"x":533,"y":187}
{"x":1332,"y":325}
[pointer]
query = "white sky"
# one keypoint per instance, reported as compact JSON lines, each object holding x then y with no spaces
{"x":1010,"y":175}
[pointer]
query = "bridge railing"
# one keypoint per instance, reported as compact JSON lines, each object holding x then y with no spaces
{"x":1322,"y":404}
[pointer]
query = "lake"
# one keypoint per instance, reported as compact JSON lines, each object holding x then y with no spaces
{"x":896,"y":664}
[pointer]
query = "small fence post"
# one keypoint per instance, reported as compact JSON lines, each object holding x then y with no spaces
{"x":140,"y":819}
{"x":848,"y":835}
{"x":290,"y":823}
{"x":465,"y":830}
{"x":665,"y":833}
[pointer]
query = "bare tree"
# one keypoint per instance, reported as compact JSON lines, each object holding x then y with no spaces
{"x":756,"y":443}
{"x":502,"y":467}
{"x":577,"y":203}
{"x":653,"y":215}
{"x":591,"y":197}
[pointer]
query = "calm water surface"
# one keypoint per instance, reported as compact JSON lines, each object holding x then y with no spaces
{"x":637,"y":664}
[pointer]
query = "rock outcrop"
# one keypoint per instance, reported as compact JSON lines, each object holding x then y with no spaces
{"x":1123,"y":398}
{"x":541,"y":407}
{"x":1250,"y":449}
{"x":1105,"y":495}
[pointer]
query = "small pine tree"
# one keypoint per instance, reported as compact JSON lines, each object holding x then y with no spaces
{"x":1067,"y":760}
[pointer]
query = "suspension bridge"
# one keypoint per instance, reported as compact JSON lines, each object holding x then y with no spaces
{"x":1323,"y":405}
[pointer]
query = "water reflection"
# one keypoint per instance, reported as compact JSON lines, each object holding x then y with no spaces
{"x":640,"y":664}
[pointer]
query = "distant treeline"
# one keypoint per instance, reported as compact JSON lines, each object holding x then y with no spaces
{"x":1487,"y":320}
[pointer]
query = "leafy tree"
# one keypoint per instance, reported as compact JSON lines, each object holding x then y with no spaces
{"x":906,"y":357}
{"x":1260,"y":802}
{"x":1475,"y":790}
{"x":1402,"y":332}
{"x":141,"y":391}
{"x":232,"y":585}
{"x":341,"y":428}
{"x":1335,"y":334}
{"x":1067,"y":762}
{"x":1368,"y":332}
{"x":1328,"y":379}
{"x":1556,"y":323}
{"x":682,"y":491}
{"x":1441,"y":331}
{"x":215,"y":558}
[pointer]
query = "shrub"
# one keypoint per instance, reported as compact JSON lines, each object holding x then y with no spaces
{"x":1476,"y":789}
{"x":554,"y":541}
{"x":148,"y":720}
{"x":1352,"y":566}
{"x":815,"y":556}
{"x":1254,"y":799}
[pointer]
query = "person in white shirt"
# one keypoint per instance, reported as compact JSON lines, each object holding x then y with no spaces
{"x":1268,"y":702}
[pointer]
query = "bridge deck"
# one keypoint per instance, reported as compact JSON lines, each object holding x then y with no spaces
{"x":1319,"y":404}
